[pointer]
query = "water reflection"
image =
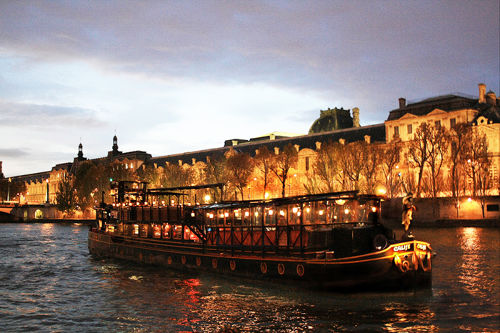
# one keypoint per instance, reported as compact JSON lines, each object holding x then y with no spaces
{"x":472,"y":262}
{"x":50,"y":283}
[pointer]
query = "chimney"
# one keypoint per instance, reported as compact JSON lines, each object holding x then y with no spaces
{"x":482,"y":93}
{"x":355,"y":117}
{"x":491,"y":99}
{"x":402,"y":102}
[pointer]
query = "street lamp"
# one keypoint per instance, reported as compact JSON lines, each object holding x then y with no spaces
{"x":47,"y":181}
{"x":8,"y":189}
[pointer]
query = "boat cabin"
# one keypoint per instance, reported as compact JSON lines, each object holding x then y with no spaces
{"x":331,"y":225}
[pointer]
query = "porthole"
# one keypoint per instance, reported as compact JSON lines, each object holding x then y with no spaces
{"x":300,"y":270}
{"x":263,"y":267}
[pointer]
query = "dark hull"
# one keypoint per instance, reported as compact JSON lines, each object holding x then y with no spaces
{"x":375,"y":270}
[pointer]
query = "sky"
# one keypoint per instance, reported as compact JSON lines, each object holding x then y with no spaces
{"x":173,"y":76}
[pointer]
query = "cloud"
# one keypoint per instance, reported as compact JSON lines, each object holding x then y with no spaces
{"x":331,"y":46}
{"x":49,"y":116}
{"x":12,"y":152}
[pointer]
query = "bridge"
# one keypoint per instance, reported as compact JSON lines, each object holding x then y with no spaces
{"x":12,"y":212}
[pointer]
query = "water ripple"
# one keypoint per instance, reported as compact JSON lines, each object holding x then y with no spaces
{"x":49,"y":282}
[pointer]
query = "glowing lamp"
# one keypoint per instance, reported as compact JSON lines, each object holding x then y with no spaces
{"x":226,"y":214}
{"x":346,"y":211}
{"x":247,"y":214}
{"x":294,"y":210}
{"x":321,"y":212}
{"x":271,"y":212}
{"x":469,"y":199}
{"x":374,"y":209}
{"x":282,"y":212}
{"x":192,"y":214}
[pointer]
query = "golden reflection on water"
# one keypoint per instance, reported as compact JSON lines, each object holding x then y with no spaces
{"x":403,"y":318}
{"x":47,"y":229}
{"x":470,"y":273}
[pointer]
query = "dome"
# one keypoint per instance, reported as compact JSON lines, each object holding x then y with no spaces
{"x":331,"y":120}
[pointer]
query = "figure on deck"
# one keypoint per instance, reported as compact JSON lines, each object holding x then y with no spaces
{"x":407,"y":217}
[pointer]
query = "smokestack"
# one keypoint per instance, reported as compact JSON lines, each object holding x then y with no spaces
{"x":402,"y":102}
{"x":482,"y":93}
{"x":355,"y":117}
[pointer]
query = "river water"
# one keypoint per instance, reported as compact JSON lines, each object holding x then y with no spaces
{"x":49,"y":282}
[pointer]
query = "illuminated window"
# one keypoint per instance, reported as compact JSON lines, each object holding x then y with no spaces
{"x":453,"y":122}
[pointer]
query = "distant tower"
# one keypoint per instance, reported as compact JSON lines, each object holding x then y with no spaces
{"x":355,"y":117}
{"x":115,"y":145}
{"x":80,"y":151}
{"x":1,"y":173}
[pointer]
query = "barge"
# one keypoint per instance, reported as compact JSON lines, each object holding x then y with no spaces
{"x":328,"y":241}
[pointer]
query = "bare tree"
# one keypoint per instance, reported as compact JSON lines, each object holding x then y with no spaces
{"x":65,"y":196}
{"x":460,"y":138}
{"x":372,"y":160}
{"x":478,"y":166}
{"x":148,"y":173}
{"x":215,"y":172}
{"x":352,"y":163}
{"x":327,"y":166}
{"x":263,"y":161}
{"x":438,"y":142}
{"x":391,"y":156}
{"x":175,"y":175}
{"x":239,"y":168}
{"x":282,"y":163}
{"x":477,"y":158}
{"x":418,"y":152}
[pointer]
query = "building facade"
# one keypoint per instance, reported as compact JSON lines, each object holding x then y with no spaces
{"x":333,"y":126}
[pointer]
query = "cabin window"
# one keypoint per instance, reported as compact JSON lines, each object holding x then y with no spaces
{"x":294,"y":212}
{"x":256,"y":215}
{"x":396,"y":131}
{"x":307,"y":163}
{"x":246,"y":215}
{"x":437,"y":123}
{"x":492,"y":208}
{"x":270,"y":215}
{"x":307,"y":218}
{"x":238,"y":218}
{"x":282,"y":215}
{"x":409,"y":129}
{"x":177,"y":232}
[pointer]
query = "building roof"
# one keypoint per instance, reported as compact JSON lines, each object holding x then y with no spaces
{"x":376,"y":133}
{"x":446,"y":103}
{"x":332,"y":119}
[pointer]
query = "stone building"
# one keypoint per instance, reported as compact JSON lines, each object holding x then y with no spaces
{"x":333,"y":125}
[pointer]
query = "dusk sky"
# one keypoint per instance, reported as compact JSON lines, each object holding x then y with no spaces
{"x":175,"y":76}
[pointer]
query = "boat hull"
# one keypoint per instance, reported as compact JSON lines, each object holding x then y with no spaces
{"x":400,"y":266}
